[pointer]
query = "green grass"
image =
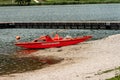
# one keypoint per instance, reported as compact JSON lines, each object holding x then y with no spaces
{"x":109,"y":70}
{"x":81,"y":1}
{"x":86,"y":1}
{"x":6,"y":1}
{"x":10,"y":2}
{"x":114,"y":78}
{"x":61,"y":2}
{"x":116,"y":70}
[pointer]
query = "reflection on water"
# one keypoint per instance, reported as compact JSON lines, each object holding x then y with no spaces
{"x":21,"y":61}
{"x":13,"y":64}
{"x":25,"y":51}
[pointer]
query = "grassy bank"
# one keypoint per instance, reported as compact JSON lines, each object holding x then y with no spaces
{"x":82,"y":1}
{"x":59,"y":2}
{"x":115,"y":78}
{"x":117,"y":73}
{"x":116,"y":70}
{"x":11,"y":3}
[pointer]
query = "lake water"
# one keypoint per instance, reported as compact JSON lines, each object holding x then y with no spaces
{"x":7,"y":36}
{"x":109,"y":12}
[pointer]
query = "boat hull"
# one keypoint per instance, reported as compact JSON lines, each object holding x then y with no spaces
{"x":58,"y":43}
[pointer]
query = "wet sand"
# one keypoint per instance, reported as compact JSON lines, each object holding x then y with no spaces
{"x":81,"y":62}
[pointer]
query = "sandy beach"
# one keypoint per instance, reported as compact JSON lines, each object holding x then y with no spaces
{"x":85,"y":61}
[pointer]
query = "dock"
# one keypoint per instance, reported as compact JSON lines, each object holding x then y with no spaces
{"x":101,"y":25}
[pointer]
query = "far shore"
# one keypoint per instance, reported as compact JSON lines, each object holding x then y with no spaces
{"x":60,"y":3}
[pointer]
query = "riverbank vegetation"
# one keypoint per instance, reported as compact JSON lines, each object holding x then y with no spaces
{"x":115,"y":78}
{"x":53,"y":2}
{"x":117,"y":73}
{"x":115,"y":70}
{"x":23,"y":2}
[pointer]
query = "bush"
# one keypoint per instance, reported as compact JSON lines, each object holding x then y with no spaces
{"x":23,"y":2}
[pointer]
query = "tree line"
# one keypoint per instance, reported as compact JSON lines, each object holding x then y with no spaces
{"x":23,"y":2}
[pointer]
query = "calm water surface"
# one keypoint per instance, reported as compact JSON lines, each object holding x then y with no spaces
{"x":109,"y":12}
{"x":7,"y":36}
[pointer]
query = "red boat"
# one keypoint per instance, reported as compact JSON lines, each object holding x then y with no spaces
{"x":48,"y":42}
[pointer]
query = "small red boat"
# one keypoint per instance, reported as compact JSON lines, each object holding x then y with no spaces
{"x":48,"y":42}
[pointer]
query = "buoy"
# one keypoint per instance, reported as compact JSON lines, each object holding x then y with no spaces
{"x":17,"y":37}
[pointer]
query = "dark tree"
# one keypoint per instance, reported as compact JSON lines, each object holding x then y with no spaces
{"x":23,"y":2}
{"x":19,"y":2}
{"x":27,"y":2}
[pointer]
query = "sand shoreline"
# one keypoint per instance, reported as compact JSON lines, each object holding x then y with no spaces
{"x":81,"y":62}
